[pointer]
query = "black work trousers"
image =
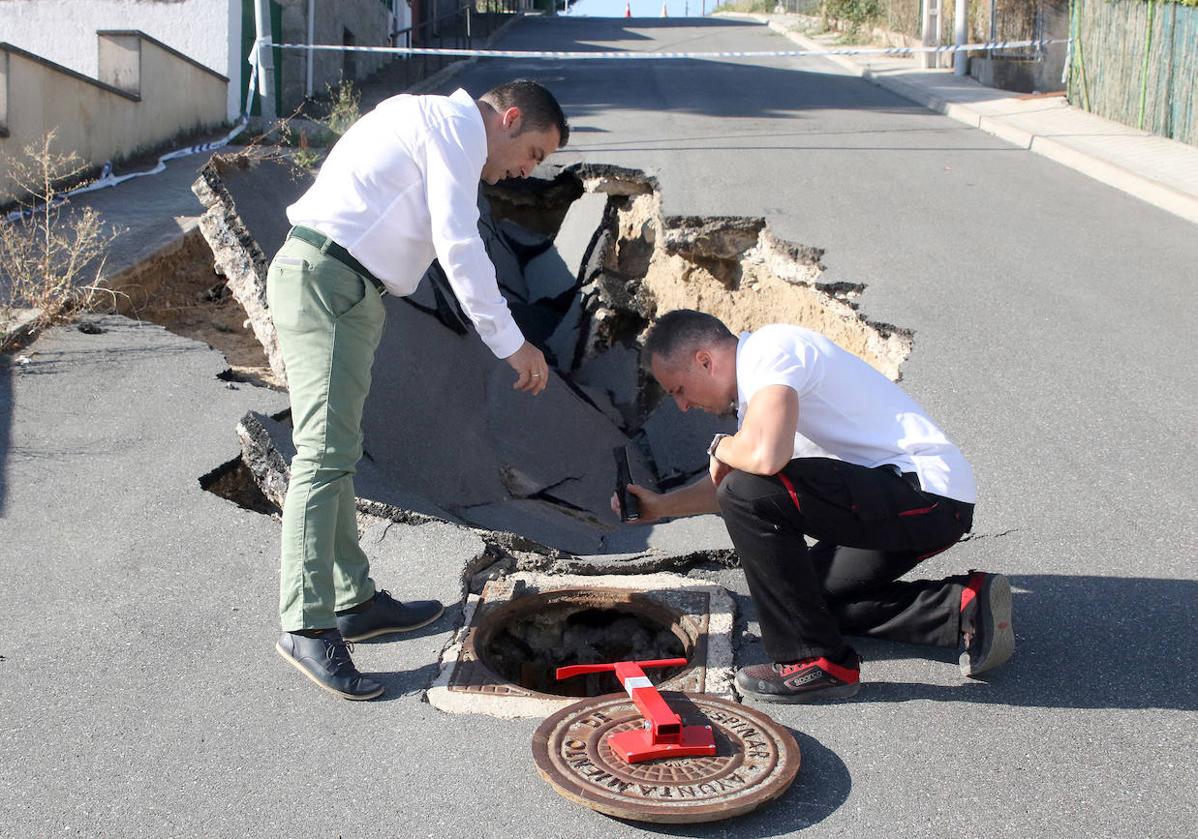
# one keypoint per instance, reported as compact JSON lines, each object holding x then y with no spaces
{"x":871,"y":526}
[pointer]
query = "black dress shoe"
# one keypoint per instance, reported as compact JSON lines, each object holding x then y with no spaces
{"x":325,"y":660}
{"x":383,"y":614}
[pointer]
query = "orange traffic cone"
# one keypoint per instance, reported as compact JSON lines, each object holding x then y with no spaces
{"x":628,"y":9}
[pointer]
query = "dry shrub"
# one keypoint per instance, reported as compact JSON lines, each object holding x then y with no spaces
{"x":51,"y":254}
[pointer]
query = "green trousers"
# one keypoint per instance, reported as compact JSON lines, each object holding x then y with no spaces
{"x":329,"y":321}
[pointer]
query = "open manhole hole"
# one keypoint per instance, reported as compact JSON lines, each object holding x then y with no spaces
{"x":526,"y":640}
{"x":522,"y":627}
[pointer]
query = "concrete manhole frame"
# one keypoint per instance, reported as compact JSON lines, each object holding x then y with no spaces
{"x":466,"y":685}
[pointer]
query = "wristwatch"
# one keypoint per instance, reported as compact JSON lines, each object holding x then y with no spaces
{"x":715,"y":442}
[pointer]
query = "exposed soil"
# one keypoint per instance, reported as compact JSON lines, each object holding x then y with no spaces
{"x":180,"y":291}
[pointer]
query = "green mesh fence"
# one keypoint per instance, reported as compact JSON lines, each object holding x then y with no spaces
{"x":1136,"y":62}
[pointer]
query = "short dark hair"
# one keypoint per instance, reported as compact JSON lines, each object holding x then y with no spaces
{"x":683,"y":332}
{"x":541,"y":111}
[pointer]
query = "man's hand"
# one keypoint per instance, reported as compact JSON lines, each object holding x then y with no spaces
{"x":718,"y":470}
{"x":650,"y":503}
{"x":532,"y":373}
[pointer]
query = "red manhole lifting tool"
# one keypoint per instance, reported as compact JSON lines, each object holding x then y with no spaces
{"x":663,"y":734}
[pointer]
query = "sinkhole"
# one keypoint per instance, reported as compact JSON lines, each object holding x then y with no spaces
{"x":586,"y":258}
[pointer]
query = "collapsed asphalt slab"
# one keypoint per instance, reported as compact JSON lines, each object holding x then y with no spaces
{"x":445,"y":435}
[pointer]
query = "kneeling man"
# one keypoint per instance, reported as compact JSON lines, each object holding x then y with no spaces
{"x":828,"y":448}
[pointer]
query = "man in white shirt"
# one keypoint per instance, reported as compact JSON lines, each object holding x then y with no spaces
{"x":398,"y":189}
{"x":826,"y":447}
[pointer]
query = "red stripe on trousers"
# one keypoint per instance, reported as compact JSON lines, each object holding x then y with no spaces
{"x":791,"y":489}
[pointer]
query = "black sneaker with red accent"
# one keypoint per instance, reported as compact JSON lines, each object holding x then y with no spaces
{"x":808,"y":680}
{"x":987,"y":634}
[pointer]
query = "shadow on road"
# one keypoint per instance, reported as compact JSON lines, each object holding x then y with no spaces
{"x":764,"y":87}
{"x":6,"y":408}
{"x":823,"y":784}
{"x":1081,"y":642}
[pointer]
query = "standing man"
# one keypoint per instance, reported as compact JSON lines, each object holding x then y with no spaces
{"x":826,"y":447}
{"x":398,"y":189}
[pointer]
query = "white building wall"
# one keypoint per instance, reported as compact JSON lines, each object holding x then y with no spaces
{"x":64,"y":31}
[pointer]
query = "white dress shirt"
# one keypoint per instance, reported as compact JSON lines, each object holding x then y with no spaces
{"x":848,"y":410}
{"x":399,"y":189}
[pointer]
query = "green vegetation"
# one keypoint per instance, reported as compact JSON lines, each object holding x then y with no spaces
{"x":343,"y":111}
{"x":856,"y":12}
{"x":746,"y":7}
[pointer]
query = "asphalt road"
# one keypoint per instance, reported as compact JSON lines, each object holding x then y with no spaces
{"x":1053,"y":339}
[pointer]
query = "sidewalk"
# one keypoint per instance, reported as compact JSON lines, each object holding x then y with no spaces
{"x":1154,"y":169}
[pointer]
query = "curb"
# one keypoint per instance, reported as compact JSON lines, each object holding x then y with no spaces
{"x":1147,"y":189}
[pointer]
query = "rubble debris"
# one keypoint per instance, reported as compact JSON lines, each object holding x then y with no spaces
{"x":528,"y":650}
{"x":614,"y":180}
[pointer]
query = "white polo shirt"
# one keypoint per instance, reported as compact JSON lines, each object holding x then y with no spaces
{"x":848,"y":410}
{"x":399,"y":189}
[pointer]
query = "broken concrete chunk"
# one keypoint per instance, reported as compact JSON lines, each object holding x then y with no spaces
{"x":711,"y":237}
{"x":443,"y":420}
{"x":266,"y":450}
{"x":614,"y":180}
{"x":245,"y":225}
{"x":548,"y":277}
{"x":580,"y":228}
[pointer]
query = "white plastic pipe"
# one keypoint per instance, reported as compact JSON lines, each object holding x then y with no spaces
{"x":266,"y":60}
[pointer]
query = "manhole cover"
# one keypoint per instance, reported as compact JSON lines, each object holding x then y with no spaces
{"x":756,"y":760}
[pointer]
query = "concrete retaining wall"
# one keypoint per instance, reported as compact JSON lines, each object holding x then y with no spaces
{"x":145,"y":94}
